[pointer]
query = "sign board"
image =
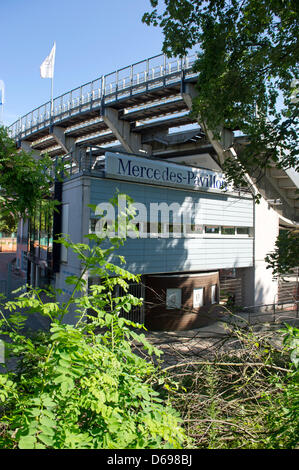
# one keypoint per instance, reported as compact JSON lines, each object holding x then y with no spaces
{"x":198,"y":299}
{"x":163,"y":173}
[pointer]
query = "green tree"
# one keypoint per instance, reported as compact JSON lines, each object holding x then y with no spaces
{"x":24,"y":180}
{"x":8,"y":224}
{"x":248,"y":64}
{"x":85,"y":385}
{"x":286,"y":253}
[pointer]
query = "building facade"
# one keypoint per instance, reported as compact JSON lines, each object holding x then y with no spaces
{"x":160,"y":155}
{"x":199,"y":242}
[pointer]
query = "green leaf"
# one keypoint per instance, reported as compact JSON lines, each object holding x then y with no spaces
{"x":27,"y":442}
{"x":48,"y":421}
{"x":49,"y":441}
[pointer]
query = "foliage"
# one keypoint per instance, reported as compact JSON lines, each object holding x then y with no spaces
{"x":247,"y":64}
{"x":286,"y":254}
{"x":84,"y":385}
{"x":24,"y":180}
{"x":8,"y":224}
{"x":246,"y":396}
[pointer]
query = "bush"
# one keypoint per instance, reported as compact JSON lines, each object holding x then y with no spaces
{"x":84,"y":385}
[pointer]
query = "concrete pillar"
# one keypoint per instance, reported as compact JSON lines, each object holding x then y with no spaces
{"x":258,"y":286}
{"x":131,"y":141}
{"x":266,"y":232}
{"x":67,"y":143}
{"x":26,"y":146}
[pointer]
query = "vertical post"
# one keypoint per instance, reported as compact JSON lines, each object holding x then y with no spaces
{"x":147,"y":70}
{"x":90,"y":158}
{"x":91,"y":93}
{"x":116,"y":83}
{"x":103,"y":86}
{"x":52,"y":102}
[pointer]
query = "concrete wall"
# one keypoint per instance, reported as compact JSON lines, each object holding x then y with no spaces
{"x":258,"y":287}
{"x":159,"y":317}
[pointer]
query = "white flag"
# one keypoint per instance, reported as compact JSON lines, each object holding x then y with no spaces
{"x":47,"y":67}
{"x":1,"y":92}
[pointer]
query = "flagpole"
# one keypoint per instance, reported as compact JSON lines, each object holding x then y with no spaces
{"x":52,"y":79}
{"x":52,"y":87}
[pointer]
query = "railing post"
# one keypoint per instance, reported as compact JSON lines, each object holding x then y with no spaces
{"x":103,"y":86}
{"x":91,"y":91}
{"x":116,"y":83}
{"x":147,"y":70}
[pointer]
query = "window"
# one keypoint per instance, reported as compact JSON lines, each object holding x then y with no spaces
{"x":214,"y":294}
{"x":244,"y":231}
{"x":198,"y":297}
{"x":193,"y":230}
{"x":228,"y":230}
{"x":173,"y":298}
{"x":211,"y":229}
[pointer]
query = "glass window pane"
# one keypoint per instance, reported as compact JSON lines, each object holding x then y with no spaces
{"x":243,"y":230}
{"x":211,"y":229}
{"x":228,"y":230}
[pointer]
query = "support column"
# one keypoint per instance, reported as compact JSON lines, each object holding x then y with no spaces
{"x":26,"y":146}
{"x":266,"y":232}
{"x":131,"y":141}
{"x":67,"y":143}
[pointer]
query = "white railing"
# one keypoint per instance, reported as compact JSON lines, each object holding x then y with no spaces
{"x":120,"y":83}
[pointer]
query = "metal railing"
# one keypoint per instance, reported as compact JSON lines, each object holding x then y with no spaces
{"x":118,"y":84}
{"x":272,"y":312}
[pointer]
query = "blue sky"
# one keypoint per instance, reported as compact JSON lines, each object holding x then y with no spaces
{"x":93,"y":37}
